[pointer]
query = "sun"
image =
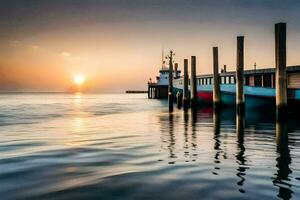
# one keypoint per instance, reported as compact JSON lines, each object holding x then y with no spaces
{"x":79,"y":79}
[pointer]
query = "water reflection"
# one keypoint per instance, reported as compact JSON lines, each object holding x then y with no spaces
{"x":194,"y":114}
{"x":188,"y":134}
{"x":217,"y":144}
{"x":172,"y":140}
{"x":283,"y":161}
{"x":108,"y":148}
{"x":78,"y":98}
{"x":240,"y":156}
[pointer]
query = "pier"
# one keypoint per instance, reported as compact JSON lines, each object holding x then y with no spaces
{"x":135,"y":91}
{"x":277,"y":87}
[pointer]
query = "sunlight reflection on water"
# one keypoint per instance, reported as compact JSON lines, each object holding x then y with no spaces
{"x":128,"y":147}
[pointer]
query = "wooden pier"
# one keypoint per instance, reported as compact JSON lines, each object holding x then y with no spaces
{"x":185,"y":90}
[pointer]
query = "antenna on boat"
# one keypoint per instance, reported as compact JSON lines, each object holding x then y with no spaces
{"x":255,"y":66}
{"x":162,"y":59}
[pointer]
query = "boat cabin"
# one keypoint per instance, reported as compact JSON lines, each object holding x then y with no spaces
{"x":255,"y":78}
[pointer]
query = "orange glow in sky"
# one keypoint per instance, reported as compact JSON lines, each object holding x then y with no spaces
{"x":112,"y":46}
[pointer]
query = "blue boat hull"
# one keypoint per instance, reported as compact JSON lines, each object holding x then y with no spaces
{"x":254,"y":96}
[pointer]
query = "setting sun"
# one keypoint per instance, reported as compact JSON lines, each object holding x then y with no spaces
{"x":79,"y":79}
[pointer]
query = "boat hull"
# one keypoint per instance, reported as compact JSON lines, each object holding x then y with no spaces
{"x":254,"y":96}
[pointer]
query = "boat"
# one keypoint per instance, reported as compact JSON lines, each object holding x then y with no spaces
{"x":259,"y":87}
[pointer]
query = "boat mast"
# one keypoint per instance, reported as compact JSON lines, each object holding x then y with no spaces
{"x":162,"y":59}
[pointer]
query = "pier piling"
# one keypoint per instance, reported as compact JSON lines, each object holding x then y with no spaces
{"x":179,"y":99}
{"x":193,"y":82}
{"x":216,"y":89}
{"x":281,"y":78}
{"x":170,"y":89}
{"x":240,"y":97}
{"x":185,"y":85}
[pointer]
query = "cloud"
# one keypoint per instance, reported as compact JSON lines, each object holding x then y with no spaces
{"x":34,"y":46}
{"x":65,"y":54}
{"x":76,"y":58}
{"x":15,"y":42}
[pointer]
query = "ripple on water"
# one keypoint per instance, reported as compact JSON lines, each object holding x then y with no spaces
{"x":129,"y":147}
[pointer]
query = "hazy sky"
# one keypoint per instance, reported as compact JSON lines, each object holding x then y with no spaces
{"x":117,"y":44}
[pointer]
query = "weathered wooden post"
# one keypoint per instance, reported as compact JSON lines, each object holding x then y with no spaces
{"x":193,"y":82}
{"x":186,"y":85}
{"x":216,"y":89}
{"x":179,"y":99}
{"x":170,"y":90}
{"x":281,"y":79}
{"x":240,"y":97}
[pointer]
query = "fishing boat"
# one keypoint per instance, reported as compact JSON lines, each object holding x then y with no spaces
{"x":259,"y":87}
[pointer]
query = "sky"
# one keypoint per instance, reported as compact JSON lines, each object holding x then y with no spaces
{"x":116,"y":44}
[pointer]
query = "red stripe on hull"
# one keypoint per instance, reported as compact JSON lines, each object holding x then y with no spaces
{"x":206,"y":96}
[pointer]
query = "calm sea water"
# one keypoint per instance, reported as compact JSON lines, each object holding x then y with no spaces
{"x":58,"y":146}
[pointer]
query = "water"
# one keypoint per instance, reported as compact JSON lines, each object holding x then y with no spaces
{"x":58,"y":146}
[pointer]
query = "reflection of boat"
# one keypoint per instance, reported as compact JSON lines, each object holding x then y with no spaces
{"x":259,"y":87}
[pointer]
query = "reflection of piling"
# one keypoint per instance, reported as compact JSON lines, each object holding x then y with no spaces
{"x":170,"y":91}
{"x":240,"y":97}
{"x":186,"y":86}
{"x":240,"y":126}
{"x":283,"y":161}
{"x":194,"y":117}
{"x":186,"y":135}
{"x":193,"y":82}
{"x":280,"y":59}
{"x":179,"y":99}
{"x":216,"y":89}
{"x":240,"y":156}
{"x":172,"y":139}
{"x":217,"y":145}
{"x":217,"y":122}
{"x":281,"y":133}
